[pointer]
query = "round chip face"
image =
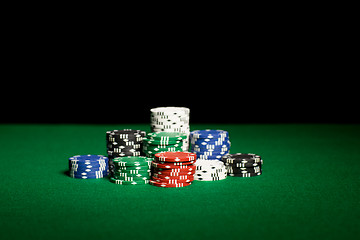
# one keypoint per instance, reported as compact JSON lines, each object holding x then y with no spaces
{"x":209,"y":133}
{"x":170,"y":110}
{"x":175,"y":157}
{"x":89,"y":158}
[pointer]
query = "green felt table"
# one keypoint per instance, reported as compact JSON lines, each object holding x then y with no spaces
{"x":309,"y":189}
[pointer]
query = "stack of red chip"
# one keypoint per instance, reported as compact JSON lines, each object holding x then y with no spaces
{"x":173,"y":169}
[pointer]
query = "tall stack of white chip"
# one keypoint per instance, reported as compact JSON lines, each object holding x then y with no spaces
{"x":171,"y":119}
{"x":210,"y":170}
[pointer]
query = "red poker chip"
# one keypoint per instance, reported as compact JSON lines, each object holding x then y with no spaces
{"x":171,"y":181}
{"x":180,"y":177}
{"x":171,"y":166}
{"x":167,"y":185}
{"x":177,"y":174}
{"x":182,"y":169}
{"x":175,"y":157}
{"x":174,"y":163}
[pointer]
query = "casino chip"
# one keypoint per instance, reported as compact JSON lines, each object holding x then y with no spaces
{"x":88,"y":166}
{"x":131,"y":170}
{"x":243,"y":165}
{"x":210,"y":144}
{"x":173,"y":169}
{"x":122,"y":143}
{"x":210,"y":170}
{"x":171,"y":119}
{"x":157,"y":142}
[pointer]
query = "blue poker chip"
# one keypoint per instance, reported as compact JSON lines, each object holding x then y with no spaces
{"x":213,"y":141}
{"x":88,"y":158}
{"x":204,"y":157}
{"x":218,"y":149}
{"x":210,"y":147}
{"x":81,"y":170}
{"x":85,"y":165}
{"x":88,"y":166}
{"x":89,"y":175}
{"x":209,"y":133}
{"x":209,"y":155}
{"x":87,"y":172}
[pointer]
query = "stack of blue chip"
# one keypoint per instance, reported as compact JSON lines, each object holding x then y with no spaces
{"x":88,"y":166}
{"x":210,"y":144}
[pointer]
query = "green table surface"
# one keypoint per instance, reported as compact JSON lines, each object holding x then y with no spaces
{"x":309,"y":188}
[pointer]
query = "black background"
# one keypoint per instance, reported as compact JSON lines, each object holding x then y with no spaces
{"x":214,"y":98}
{"x":275,"y":81}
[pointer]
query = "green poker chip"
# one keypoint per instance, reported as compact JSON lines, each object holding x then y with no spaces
{"x":122,"y":182}
{"x":147,"y":167}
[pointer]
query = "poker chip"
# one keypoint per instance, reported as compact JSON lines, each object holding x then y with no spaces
{"x":131,"y":161}
{"x":123,"y":143}
{"x":175,"y":157}
{"x":241,"y":158}
{"x":171,"y":180}
{"x":169,"y":185}
{"x":243,"y":164}
{"x":159,"y":142}
{"x":237,"y":170}
{"x":167,"y":177}
{"x":210,"y":170}
{"x":210,"y":144}
{"x":131,"y":170}
{"x":173,"y":169}
{"x":245,"y":174}
{"x":171,"y":119}
{"x":124,"y":182}
{"x":88,"y":166}
{"x":171,"y":165}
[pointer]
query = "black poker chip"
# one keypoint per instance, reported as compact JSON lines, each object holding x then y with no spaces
{"x":235,"y":170}
{"x":243,"y":165}
{"x":241,"y":158}
{"x":245,"y":174}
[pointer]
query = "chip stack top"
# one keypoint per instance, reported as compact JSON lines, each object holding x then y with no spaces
{"x":171,"y":119}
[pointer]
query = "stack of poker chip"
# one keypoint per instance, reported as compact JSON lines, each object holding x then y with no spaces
{"x":122,"y":143}
{"x":157,"y":142}
{"x":210,"y":144}
{"x":88,"y":166}
{"x":210,"y":170}
{"x":243,"y":165}
{"x":171,"y":119}
{"x":173,"y":169}
{"x":131,"y":170}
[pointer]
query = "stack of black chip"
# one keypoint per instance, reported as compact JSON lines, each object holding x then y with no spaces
{"x":243,"y":164}
{"x":121,"y":143}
